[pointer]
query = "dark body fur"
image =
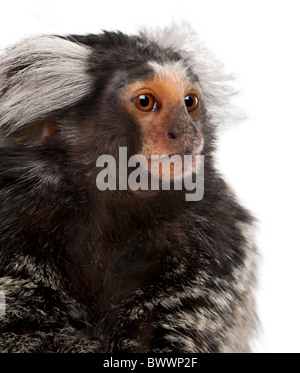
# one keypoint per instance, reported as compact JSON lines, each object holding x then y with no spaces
{"x":117,"y":271}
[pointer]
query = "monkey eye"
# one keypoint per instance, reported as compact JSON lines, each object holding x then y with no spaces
{"x":191,"y":102}
{"x":145,"y":102}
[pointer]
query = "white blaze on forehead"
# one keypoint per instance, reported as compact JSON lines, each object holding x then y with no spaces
{"x":41,"y":75}
{"x":176,"y":73}
{"x":169,"y":67}
{"x":173,"y":70}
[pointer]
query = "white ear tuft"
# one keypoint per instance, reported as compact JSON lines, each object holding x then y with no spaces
{"x":217,"y":85}
{"x":41,"y":75}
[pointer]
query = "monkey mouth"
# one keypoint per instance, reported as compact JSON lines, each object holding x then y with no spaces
{"x":173,"y":166}
{"x":183,"y":153}
{"x":173,"y":163}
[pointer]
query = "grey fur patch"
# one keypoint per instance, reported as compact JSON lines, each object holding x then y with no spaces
{"x":39,"y":76}
{"x":2,"y":303}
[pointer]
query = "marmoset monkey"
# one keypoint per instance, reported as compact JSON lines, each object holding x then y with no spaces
{"x":88,"y":263}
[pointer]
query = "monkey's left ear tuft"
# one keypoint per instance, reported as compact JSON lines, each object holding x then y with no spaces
{"x":219,"y":87}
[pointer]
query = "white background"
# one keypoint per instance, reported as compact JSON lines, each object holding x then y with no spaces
{"x":258,"y":40}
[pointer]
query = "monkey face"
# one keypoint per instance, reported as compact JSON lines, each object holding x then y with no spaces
{"x":167,"y":107}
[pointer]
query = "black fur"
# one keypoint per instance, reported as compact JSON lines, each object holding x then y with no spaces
{"x":90,"y":271}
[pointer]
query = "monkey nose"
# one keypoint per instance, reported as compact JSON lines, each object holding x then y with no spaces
{"x":181,"y":146}
{"x":175,"y":132}
{"x":171,"y":135}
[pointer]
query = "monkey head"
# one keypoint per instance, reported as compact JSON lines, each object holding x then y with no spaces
{"x":90,"y":95}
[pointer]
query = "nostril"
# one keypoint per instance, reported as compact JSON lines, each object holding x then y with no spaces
{"x":171,"y":135}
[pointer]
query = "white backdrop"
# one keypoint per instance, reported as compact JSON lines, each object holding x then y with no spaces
{"x":258,"y":40}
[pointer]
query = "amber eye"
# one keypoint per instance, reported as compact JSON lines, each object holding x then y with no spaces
{"x":145,"y":102}
{"x":191,"y":102}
